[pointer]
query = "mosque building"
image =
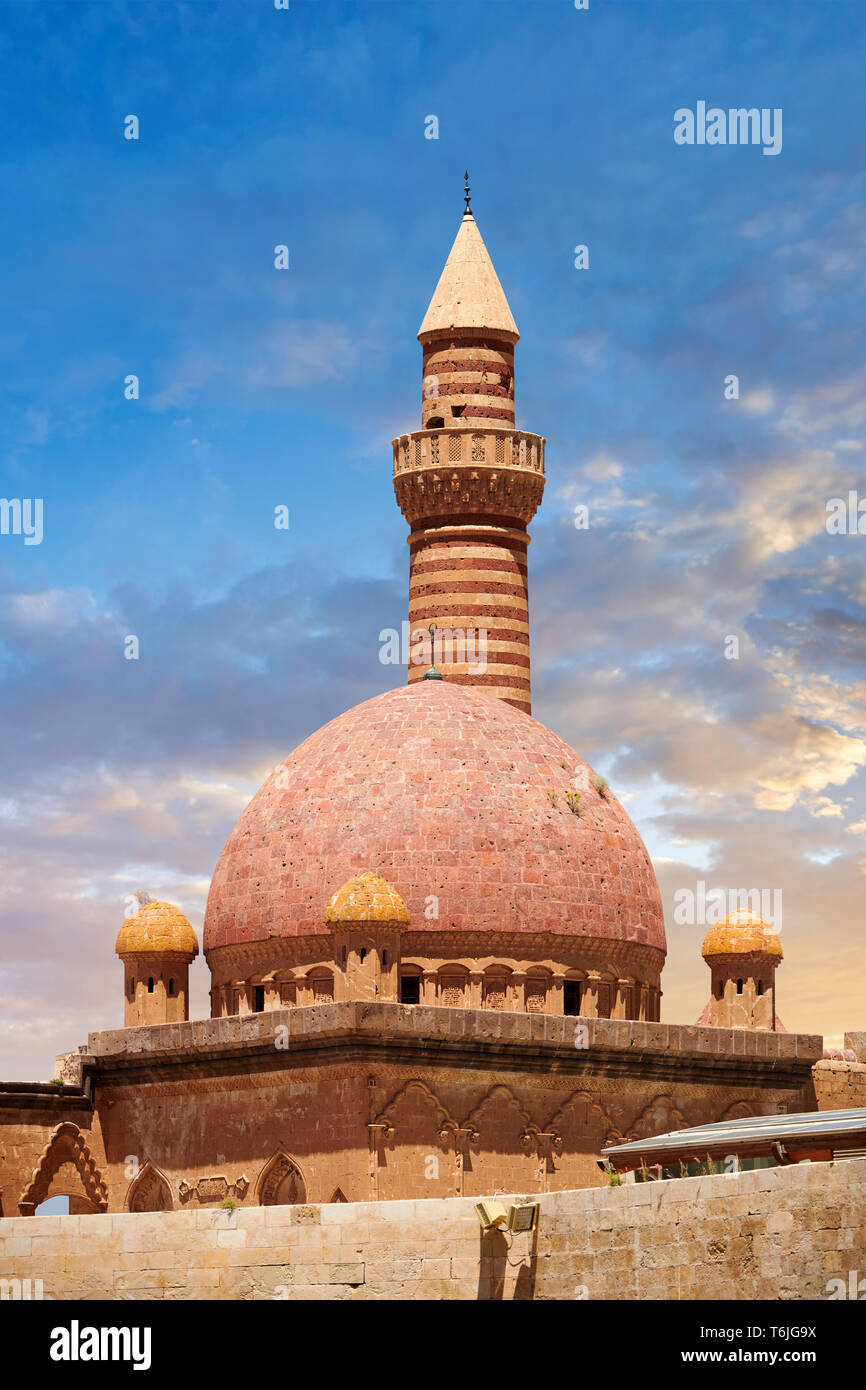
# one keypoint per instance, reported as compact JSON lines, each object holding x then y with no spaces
{"x":434,"y":936}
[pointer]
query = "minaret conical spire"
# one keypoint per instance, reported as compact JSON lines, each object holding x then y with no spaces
{"x":469,"y":295}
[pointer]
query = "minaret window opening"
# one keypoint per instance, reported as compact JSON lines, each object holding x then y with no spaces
{"x":739,"y":986}
{"x":760,"y":986}
{"x":150,"y":985}
{"x":436,"y":422}
{"x":384,"y":960}
{"x":362,"y":954}
{"x":258,"y":999}
{"x":171,"y":988}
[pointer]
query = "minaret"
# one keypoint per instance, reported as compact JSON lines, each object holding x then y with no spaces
{"x":469,"y":483}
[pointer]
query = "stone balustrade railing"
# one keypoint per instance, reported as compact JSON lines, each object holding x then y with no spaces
{"x":452,"y":448}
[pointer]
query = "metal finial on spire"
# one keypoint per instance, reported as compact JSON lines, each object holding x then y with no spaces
{"x":467,"y":195}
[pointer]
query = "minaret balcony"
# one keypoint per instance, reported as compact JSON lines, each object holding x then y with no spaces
{"x":468,"y":448}
{"x":467,"y":474}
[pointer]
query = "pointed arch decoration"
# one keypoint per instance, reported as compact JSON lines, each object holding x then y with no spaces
{"x":498,"y":1094}
{"x":281,"y":1182}
{"x":737,"y":1110}
{"x":149,"y":1191}
{"x":67,"y":1145}
{"x":577,"y":1099}
{"x":338,"y":1195}
{"x":444,"y":1122}
{"x":659,"y":1117}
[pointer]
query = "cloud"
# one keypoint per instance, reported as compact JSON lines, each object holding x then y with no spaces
{"x":758,"y":402}
{"x":296,"y":354}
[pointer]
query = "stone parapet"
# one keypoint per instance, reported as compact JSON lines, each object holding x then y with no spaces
{"x":465,"y":1037}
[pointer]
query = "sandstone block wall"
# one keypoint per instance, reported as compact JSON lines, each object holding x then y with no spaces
{"x":840,"y":1085}
{"x":780,"y":1233}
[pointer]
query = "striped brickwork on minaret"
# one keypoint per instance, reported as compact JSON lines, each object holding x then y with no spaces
{"x":470,"y":378}
{"x":469,"y":483}
{"x":472,"y":581}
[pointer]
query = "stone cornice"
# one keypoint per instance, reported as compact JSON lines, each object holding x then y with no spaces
{"x":513,"y":950}
{"x":469,"y":1038}
{"x":41,"y":1095}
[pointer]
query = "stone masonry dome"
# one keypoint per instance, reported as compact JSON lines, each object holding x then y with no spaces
{"x":156,"y":928}
{"x":366,"y":898}
{"x":741,"y":933}
{"x":451,"y":795}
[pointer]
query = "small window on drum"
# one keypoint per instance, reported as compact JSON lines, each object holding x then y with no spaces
{"x":410,"y":989}
{"x":571,"y":997}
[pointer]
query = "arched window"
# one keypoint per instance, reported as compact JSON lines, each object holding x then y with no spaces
{"x":535,"y":993}
{"x":362,"y":954}
{"x":571,"y":997}
{"x":322,"y":982}
{"x":720,"y":990}
{"x":606,"y":988}
{"x":495,"y":990}
{"x":739,"y":986}
{"x":410,"y":989}
{"x":150,"y":985}
{"x":171,"y":987}
{"x":452,"y":985}
{"x":760,"y":986}
{"x":436,"y":423}
{"x":384,"y":960}
{"x":258,"y":999}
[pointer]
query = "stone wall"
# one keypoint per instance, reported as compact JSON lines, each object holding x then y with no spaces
{"x":840,"y":1085}
{"x":377,"y":1102}
{"x":779,"y":1233}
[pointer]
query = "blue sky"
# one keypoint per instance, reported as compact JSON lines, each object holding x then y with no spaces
{"x":261,"y":387}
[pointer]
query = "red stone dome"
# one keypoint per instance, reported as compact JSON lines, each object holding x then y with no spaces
{"x":445,"y":791}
